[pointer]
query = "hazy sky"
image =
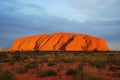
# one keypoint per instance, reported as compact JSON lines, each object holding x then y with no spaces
{"x":99,"y":18}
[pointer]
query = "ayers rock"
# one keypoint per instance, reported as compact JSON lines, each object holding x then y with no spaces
{"x":60,"y":41}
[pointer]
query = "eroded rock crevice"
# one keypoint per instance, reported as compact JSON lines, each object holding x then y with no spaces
{"x":65,"y":44}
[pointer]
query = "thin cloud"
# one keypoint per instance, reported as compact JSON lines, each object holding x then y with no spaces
{"x":23,"y":18}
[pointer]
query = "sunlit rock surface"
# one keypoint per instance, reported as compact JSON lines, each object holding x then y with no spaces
{"x":60,"y":41}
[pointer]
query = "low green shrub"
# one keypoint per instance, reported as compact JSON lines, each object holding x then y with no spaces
{"x":16,"y":57}
{"x":97,"y":64}
{"x":44,"y":58}
{"x":86,"y":76}
{"x":67,"y":59}
{"x":31,"y":65}
{"x":48,"y":72}
{"x":51,"y":64}
{"x":21,"y":69}
{"x":3,"y":57}
{"x":71,"y":72}
{"x":80,"y":68}
{"x":83,"y":75}
{"x":25,"y":68}
{"x":6,"y":75}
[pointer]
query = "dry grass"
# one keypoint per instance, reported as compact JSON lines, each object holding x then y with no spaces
{"x":37,"y":60}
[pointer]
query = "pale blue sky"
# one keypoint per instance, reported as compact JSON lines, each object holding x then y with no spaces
{"x":99,"y":18}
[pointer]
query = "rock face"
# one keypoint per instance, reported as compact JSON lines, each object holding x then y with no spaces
{"x":60,"y":41}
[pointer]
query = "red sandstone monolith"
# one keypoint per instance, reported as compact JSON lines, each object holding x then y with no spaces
{"x":60,"y":41}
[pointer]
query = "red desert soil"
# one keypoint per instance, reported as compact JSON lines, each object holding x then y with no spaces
{"x":60,"y":68}
{"x":60,"y":41}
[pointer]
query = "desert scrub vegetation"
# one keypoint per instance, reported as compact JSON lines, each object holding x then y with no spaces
{"x":25,"y":68}
{"x":21,"y":69}
{"x":3,"y":57}
{"x":80,"y":68}
{"x":32,"y":64}
{"x":97,"y":64}
{"x":44,"y":58}
{"x":1,"y":67}
{"x":70,"y":72}
{"x":114,"y":68}
{"x":113,"y":59}
{"x":12,"y":57}
{"x":67,"y":58}
{"x":6,"y":75}
{"x":83,"y":75}
{"x":48,"y":72}
{"x":87,"y":76}
{"x":39,"y":59}
{"x":93,"y":57}
{"x":51,"y":63}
